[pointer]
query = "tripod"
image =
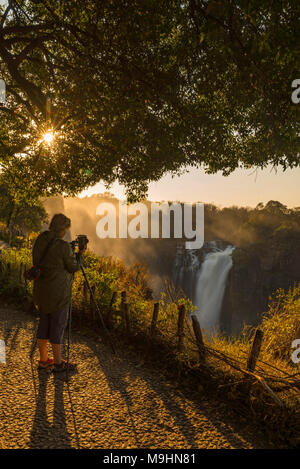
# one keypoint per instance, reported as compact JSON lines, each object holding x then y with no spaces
{"x":99,"y":315}
{"x":69,"y":332}
{"x":97,"y":309}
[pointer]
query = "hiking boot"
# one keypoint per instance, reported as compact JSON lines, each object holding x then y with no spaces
{"x":64,"y":366}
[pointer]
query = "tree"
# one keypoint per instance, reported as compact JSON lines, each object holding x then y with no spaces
{"x":136,"y":89}
{"x":272,"y":220}
{"x":20,"y":211}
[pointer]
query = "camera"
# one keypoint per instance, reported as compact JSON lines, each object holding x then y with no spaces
{"x":81,"y":241}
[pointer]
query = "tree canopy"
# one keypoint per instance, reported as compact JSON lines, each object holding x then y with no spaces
{"x":20,"y":211}
{"x":135,"y":89}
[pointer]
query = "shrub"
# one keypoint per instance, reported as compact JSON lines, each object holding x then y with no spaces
{"x":11,"y":282}
{"x":281,"y":323}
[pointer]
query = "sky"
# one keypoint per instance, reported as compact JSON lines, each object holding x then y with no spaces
{"x":243,"y":188}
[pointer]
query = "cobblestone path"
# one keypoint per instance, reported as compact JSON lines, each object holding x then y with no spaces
{"x":112,"y":402}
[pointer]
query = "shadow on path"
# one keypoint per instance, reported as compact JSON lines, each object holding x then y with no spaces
{"x":127,"y":371}
{"x":119,"y":383}
{"x":43,"y":433}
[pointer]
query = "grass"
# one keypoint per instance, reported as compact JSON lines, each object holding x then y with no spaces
{"x":281,"y":324}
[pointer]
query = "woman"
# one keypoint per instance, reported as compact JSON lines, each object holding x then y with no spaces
{"x":53,"y":289}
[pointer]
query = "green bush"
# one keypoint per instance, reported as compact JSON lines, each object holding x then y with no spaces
{"x":12,"y":284}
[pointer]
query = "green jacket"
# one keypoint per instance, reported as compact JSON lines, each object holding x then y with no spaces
{"x":53,"y":289}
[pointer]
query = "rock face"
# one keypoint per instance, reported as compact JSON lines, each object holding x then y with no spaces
{"x":258,"y":271}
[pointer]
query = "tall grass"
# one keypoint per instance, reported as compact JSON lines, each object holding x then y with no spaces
{"x":281,"y":323}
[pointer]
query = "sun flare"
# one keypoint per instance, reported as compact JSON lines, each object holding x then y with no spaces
{"x":48,"y":137}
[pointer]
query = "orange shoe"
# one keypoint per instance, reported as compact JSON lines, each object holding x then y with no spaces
{"x":49,"y":363}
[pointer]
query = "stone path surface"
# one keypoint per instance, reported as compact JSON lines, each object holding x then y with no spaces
{"x":112,"y":402}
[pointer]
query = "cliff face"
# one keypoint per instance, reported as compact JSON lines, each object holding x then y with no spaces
{"x":258,"y":270}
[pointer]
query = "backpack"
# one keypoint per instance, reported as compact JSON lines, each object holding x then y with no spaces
{"x":35,"y":271}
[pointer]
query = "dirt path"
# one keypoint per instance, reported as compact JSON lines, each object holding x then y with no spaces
{"x":111,"y":402}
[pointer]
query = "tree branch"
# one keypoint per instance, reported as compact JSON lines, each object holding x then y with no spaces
{"x":33,"y":92}
{"x":5,"y":14}
{"x":37,"y":42}
{"x":26,"y":29}
{"x":24,"y":103}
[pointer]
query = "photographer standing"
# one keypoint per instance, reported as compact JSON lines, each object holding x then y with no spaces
{"x":53,"y":289}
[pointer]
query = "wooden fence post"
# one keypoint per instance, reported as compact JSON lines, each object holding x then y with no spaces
{"x":122,"y":306}
{"x":199,"y":338}
{"x":110,"y":309}
{"x":127,"y":317}
{"x":21,"y":273}
{"x":154,"y":319}
{"x":180,"y":325}
{"x":25,"y":279}
{"x":255,"y":349}
{"x":123,"y":298}
{"x":92,"y":305}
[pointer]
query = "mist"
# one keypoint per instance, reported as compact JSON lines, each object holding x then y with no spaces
{"x":237,"y":226}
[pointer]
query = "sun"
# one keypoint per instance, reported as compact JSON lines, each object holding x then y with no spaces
{"x":48,"y":137}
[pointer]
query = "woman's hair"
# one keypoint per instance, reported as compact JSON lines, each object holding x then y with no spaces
{"x":59,"y":223}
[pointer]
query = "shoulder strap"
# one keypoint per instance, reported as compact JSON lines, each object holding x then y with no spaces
{"x":46,"y":250}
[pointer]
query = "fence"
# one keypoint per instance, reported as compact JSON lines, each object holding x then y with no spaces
{"x":189,"y":330}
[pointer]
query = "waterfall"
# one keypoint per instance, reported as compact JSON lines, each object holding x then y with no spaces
{"x":210,"y":287}
{"x":204,"y":282}
{"x":185,"y":269}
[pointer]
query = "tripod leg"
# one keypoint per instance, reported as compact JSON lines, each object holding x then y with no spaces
{"x":69,"y":339}
{"x":97,"y":309}
{"x":69,"y":335}
{"x":33,"y":346}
